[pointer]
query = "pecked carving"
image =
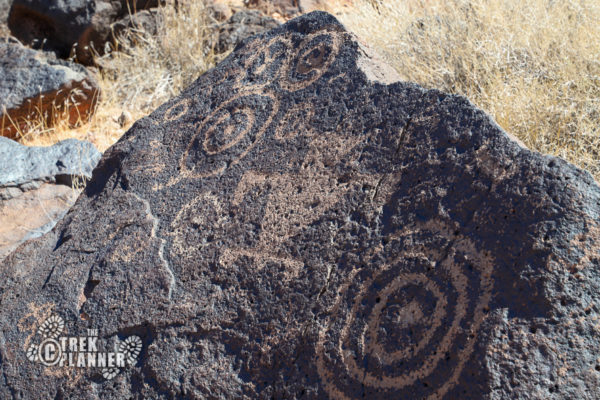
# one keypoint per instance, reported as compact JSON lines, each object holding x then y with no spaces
{"x":404,"y":318}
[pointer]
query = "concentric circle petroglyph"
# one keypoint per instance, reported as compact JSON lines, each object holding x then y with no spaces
{"x":226,"y":135}
{"x":295,"y":67}
{"x":407,"y":327}
{"x":315,"y":55}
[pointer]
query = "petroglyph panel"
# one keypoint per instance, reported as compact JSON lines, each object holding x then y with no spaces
{"x":294,"y":227}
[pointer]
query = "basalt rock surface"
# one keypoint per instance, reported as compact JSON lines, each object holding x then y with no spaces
{"x":294,"y":225}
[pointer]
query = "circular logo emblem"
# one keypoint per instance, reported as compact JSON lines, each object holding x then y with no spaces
{"x":49,"y":352}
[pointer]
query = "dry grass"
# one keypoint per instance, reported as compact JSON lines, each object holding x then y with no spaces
{"x":147,"y":71}
{"x":534,"y":66}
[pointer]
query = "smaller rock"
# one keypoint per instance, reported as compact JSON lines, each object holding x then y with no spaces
{"x":33,"y":213}
{"x":38,"y":185}
{"x":243,"y":24}
{"x":25,"y":168}
{"x":36,"y":86}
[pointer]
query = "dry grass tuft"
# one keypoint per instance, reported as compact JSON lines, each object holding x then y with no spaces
{"x":534,"y":66}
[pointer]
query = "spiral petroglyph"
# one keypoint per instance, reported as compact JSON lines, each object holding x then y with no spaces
{"x":408,"y":327}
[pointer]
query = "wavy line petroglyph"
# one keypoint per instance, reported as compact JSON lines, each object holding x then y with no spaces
{"x":354,"y":316}
{"x":139,"y":243}
{"x":161,"y":247}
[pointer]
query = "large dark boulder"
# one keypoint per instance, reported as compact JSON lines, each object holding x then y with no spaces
{"x":293,"y":226}
{"x":70,"y":27}
{"x":37,"y":87}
